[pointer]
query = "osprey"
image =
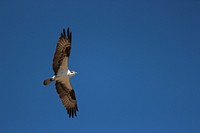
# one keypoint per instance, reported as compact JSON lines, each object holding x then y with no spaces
{"x":62,"y":74}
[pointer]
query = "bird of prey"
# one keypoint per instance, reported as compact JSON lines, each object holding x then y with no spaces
{"x":62,"y":74}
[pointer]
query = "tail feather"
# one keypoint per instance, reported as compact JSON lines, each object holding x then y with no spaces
{"x":47,"y":81}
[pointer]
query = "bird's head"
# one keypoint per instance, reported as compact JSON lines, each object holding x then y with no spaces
{"x":73,"y":73}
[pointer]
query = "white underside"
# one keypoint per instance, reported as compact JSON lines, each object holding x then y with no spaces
{"x":63,"y":77}
{"x":61,"y":74}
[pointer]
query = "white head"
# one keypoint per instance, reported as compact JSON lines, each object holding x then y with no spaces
{"x":72,"y":73}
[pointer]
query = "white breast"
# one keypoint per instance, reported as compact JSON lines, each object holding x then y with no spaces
{"x":62,"y":72}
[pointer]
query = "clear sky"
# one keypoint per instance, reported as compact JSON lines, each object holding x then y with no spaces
{"x":138,"y":65}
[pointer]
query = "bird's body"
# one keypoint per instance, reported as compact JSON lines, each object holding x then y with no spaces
{"x":62,"y":74}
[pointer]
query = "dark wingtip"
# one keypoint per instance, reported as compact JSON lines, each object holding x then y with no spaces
{"x":68,"y":31}
{"x":69,"y":34}
{"x":71,"y":112}
{"x":76,"y":108}
{"x":70,"y":37}
{"x":64,"y":33}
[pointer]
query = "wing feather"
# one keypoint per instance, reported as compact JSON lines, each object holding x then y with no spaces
{"x":67,"y":96}
{"x":62,"y":52}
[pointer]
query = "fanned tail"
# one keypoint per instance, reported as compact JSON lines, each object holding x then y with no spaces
{"x":47,"y":81}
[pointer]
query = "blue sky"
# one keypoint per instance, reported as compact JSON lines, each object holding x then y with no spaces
{"x":137,"y":62}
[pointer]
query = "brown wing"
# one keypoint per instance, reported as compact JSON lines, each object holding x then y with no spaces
{"x":62,"y":51}
{"x":67,"y":96}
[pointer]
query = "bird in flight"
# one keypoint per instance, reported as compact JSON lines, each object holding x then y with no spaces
{"x":62,"y":74}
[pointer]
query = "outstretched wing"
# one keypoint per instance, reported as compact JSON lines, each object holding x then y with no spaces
{"x":62,"y":52}
{"x":67,"y":96}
